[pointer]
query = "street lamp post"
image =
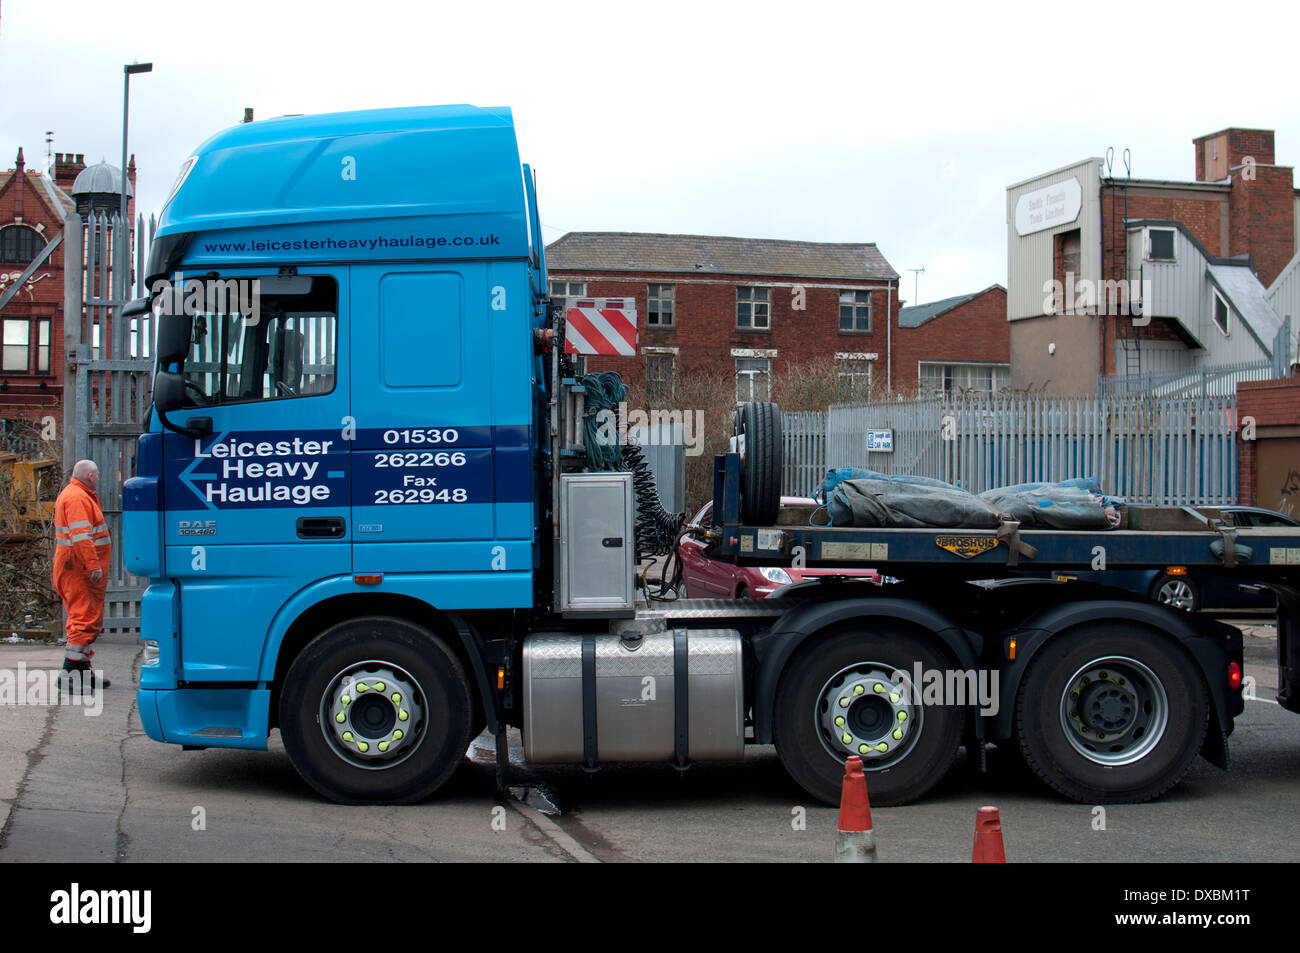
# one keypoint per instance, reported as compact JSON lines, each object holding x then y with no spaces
{"x":124,"y":258}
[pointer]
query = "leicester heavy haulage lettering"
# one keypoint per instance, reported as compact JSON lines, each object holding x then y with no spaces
{"x":281,"y":480}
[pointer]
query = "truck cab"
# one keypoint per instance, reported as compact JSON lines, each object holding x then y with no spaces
{"x":344,"y":399}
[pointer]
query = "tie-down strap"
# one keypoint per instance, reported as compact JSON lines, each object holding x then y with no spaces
{"x":1009,"y":533}
{"x":1228,"y":533}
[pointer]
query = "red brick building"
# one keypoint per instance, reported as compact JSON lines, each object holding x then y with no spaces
{"x":1268,"y":457}
{"x":1170,"y":275}
{"x":33,"y":207}
{"x":752,"y":305}
{"x":959,"y":343}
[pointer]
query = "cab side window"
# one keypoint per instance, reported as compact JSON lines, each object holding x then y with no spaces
{"x":287,"y":347}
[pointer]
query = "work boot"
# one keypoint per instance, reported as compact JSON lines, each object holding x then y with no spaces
{"x":78,"y":676}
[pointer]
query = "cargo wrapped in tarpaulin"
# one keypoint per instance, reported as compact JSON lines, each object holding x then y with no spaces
{"x":856,"y":497}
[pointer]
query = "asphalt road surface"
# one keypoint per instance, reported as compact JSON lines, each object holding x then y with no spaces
{"x":80,"y":788}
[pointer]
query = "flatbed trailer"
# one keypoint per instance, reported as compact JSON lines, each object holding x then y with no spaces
{"x":1092,"y":683}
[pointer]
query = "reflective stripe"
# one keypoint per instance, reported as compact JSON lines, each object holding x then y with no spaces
{"x":78,"y":524}
{"x":105,"y":541}
{"x":101,"y":528}
{"x":75,"y":655}
{"x":78,"y":537}
{"x":62,"y":529}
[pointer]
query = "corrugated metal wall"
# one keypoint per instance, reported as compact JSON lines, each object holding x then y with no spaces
{"x":1029,"y":257}
{"x":1284,"y":296}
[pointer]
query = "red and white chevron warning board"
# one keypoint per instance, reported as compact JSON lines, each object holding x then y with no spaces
{"x":600,"y":326}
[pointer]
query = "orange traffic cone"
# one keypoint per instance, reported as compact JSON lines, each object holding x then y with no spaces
{"x":988,"y":838}
{"x":855,"y":843}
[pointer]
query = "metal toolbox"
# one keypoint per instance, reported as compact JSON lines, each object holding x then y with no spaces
{"x":600,"y":697}
{"x":597,"y":547}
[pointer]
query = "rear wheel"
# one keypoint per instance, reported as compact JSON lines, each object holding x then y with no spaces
{"x":760,"y":462}
{"x":376,"y":711}
{"x":1106,"y":717}
{"x":851,"y":694}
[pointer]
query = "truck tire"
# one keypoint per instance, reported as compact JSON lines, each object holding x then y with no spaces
{"x":1107,"y":717}
{"x":760,"y":463}
{"x":375,"y":711}
{"x":906,"y":747}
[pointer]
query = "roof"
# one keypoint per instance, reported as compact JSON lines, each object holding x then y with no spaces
{"x":100,"y":179}
{"x":1246,"y":295}
{"x":711,"y":254}
{"x":919,"y":314}
{"x":59,"y":201}
{"x":302,"y":182}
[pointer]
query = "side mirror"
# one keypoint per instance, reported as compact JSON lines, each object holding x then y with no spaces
{"x":168,"y":391}
{"x":133,"y":309}
{"x":173,"y":338}
{"x":169,"y":394}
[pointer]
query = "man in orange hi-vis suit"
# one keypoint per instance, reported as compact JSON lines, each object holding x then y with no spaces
{"x":82,"y":551}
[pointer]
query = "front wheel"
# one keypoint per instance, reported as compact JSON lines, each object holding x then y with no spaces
{"x":375,"y":711}
{"x":852,"y":694}
{"x":1106,"y":717}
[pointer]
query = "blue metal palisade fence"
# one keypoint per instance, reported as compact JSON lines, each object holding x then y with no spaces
{"x":1170,"y":451}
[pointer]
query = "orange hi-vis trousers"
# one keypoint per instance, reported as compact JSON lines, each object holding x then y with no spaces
{"x":82,"y":544}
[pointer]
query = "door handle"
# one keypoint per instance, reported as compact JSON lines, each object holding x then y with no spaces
{"x":320,"y":527}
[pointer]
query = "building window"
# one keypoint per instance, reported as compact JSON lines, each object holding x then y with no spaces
{"x":852,"y":379}
{"x":568,"y":289}
{"x":659,"y":380}
{"x":1221,"y":313}
{"x":19,"y":244}
{"x":43,"y":346}
{"x":659,"y":306}
{"x":753,"y":309}
{"x":1160,"y":244}
{"x":752,"y":378}
{"x":855,"y":311}
{"x":26,"y":346}
{"x":17,"y":341}
{"x":937,"y":378}
{"x":1066,"y":264}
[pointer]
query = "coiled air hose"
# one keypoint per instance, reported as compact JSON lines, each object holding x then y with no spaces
{"x":656,"y":528}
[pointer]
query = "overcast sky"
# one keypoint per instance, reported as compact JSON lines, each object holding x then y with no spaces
{"x":900,"y":125}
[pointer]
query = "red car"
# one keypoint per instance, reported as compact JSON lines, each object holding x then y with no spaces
{"x":707,"y":578}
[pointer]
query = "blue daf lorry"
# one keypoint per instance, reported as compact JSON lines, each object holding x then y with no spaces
{"x":374,"y":517}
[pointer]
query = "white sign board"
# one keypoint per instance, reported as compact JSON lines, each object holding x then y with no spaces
{"x":880,"y":441}
{"x":1048,"y":207}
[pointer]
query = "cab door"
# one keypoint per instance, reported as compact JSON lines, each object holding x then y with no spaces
{"x":441,"y":462}
{"x":256,"y":508}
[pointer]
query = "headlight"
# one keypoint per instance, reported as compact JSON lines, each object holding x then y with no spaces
{"x":775,"y":574}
